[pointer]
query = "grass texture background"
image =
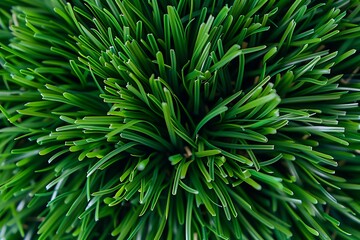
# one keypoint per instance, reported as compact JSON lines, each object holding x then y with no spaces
{"x":179,"y":119}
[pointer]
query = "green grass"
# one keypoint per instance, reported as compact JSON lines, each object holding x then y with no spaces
{"x":179,"y":119}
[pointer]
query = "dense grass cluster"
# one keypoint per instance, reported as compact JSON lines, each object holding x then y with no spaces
{"x":179,"y":119}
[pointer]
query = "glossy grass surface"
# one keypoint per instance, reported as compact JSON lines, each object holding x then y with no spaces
{"x":179,"y":119}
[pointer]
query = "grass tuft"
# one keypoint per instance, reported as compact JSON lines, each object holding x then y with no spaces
{"x":179,"y":119}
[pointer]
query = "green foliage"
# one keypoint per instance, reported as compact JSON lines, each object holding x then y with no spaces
{"x":179,"y":119}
